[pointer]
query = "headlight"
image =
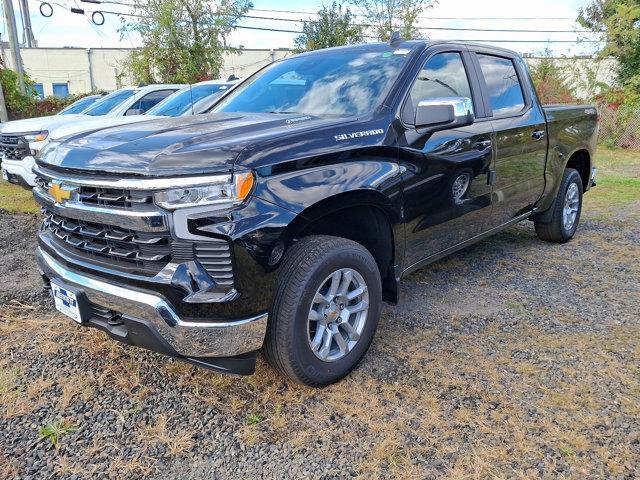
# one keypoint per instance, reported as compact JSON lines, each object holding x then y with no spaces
{"x":36,"y":137}
{"x":224,"y":192}
{"x":50,"y":146}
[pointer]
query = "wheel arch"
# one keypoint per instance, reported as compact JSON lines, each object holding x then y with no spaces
{"x":364,"y":216}
{"x":580,"y":160}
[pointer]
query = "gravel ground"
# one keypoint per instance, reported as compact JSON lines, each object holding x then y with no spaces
{"x":512,"y":358}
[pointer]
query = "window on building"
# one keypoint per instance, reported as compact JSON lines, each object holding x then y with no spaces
{"x":61,"y":90}
{"x":505,"y":92}
{"x":39,"y":88}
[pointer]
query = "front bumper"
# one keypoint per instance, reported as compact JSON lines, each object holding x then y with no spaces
{"x":20,"y":171}
{"x":164,"y":330}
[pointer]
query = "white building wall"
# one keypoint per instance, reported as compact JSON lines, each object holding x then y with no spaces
{"x":72,"y":66}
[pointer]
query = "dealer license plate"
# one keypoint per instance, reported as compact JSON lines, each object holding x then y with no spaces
{"x":66,"y":302}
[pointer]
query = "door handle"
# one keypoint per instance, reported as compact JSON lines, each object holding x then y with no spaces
{"x":537,"y":134}
{"x":482,"y":144}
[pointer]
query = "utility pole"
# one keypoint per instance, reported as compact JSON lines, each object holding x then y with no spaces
{"x":13,"y":41}
{"x":4,"y":115}
{"x":29,"y":38}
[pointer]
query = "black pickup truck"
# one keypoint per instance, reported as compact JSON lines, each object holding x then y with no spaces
{"x":282,"y":219}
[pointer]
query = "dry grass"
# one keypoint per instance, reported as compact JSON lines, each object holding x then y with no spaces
{"x":176,"y":440}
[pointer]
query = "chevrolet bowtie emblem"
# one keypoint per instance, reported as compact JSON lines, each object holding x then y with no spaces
{"x":60,"y":193}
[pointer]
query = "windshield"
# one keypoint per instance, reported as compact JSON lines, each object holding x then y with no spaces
{"x":180,"y":102}
{"x":108,"y":103}
{"x":78,"y":106}
{"x":351,"y":82}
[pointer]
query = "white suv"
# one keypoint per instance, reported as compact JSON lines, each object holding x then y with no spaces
{"x":20,"y":140}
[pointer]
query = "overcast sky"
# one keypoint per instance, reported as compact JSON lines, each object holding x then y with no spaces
{"x":64,"y":28}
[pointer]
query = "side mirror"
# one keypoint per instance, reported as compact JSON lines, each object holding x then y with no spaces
{"x":444,"y":113}
{"x":134,"y":111}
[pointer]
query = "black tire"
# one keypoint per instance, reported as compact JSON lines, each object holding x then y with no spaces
{"x":305,"y":267}
{"x":555,"y":230}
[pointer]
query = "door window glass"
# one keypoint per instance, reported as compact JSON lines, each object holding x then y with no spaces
{"x":505,"y":91}
{"x":442,"y":76}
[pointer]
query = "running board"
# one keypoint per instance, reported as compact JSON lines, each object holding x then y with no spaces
{"x":437,"y":256}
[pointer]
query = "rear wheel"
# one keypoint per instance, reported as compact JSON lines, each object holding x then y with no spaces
{"x":325,"y":311}
{"x":566,"y":210}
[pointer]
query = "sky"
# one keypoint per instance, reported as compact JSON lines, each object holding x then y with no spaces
{"x":64,"y":28}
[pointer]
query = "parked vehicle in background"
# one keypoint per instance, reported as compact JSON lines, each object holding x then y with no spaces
{"x":79,"y":105}
{"x":21,"y":140}
{"x":192,"y":100}
{"x":284,"y":218}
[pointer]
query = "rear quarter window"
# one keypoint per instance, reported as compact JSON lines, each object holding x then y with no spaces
{"x":503,"y":85}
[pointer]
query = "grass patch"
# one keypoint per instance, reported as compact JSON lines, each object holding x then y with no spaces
{"x":613,"y":191}
{"x":616,"y":161}
{"x":53,"y":431}
{"x":15,"y":199}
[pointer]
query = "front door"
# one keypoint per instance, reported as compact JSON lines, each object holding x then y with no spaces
{"x":521,"y":137}
{"x":447,"y":198}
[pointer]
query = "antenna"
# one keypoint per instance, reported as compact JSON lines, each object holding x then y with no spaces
{"x":395,"y":39}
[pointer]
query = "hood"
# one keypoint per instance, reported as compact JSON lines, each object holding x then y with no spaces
{"x":178,"y":146}
{"x":39,"y":124}
{"x":91,"y":124}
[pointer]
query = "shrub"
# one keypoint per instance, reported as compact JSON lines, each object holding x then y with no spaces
{"x":19,"y":104}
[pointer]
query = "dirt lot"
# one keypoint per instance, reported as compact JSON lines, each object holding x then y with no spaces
{"x":512,"y":358}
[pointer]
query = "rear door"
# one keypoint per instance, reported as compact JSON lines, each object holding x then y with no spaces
{"x":521,"y":136}
{"x":447,"y":198}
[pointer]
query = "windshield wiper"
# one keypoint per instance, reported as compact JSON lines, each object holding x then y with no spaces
{"x":282,"y":111}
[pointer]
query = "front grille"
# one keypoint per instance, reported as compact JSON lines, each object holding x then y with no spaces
{"x":215,"y":257}
{"x":108,"y":197}
{"x":111,"y":197}
{"x":148,"y":252}
{"x":131,"y":251}
{"x":13,"y":147}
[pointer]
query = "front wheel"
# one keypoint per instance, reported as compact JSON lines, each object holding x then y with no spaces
{"x":566,"y":210}
{"x":325,"y":311}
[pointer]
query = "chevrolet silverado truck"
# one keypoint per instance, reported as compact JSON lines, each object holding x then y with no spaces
{"x":281,"y":220}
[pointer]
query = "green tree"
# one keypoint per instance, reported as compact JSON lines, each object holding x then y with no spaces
{"x":388,"y":16}
{"x":183,"y":41}
{"x":19,"y":105}
{"x":551,"y":80}
{"x":332,"y":27}
{"x":618,"y":22}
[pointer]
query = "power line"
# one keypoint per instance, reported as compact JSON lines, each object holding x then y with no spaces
{"x":460,"y":29}
{"x":420,"y":18}
{"x":444,"y":39}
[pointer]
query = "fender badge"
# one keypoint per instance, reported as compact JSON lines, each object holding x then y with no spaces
{"x":366,"y":133}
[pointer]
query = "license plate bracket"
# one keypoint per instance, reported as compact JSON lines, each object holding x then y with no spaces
{"x":70,"y":301}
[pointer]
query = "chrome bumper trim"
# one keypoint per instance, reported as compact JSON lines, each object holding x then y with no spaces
{"x":190,"y":339}
{"x":145,"y":221}
{"x":139,"y":183}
